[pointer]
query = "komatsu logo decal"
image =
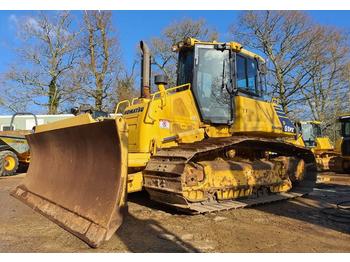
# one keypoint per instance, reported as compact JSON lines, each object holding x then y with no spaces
{"x":287,"y":125}
{"x":135,"y":110}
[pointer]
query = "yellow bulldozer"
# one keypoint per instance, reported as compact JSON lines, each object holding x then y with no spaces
{"x":210,"y":143}
{"x":328,"y":157}
{"x":309,"y":134}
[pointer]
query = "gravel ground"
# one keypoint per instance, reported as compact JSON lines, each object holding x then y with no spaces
{"x":287,"y":226}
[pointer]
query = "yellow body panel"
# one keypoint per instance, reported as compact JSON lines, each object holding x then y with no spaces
{"x":257,"y":117}
{"x":299,"y":141}
{"x":138,"y":159}
{"x":135,"y":182}
{"x":160,"y":121}
{"x":323,"y":144}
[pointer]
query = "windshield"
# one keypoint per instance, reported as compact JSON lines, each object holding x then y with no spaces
{"x":212,"y":75}
{"x":310,"y":132}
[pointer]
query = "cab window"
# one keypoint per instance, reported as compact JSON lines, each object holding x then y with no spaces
{"x":185,"y":66}
{"x":247,"y":75}
{"x":346,"y":129}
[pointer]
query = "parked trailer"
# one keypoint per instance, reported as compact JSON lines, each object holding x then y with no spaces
{"x":14,"y":149}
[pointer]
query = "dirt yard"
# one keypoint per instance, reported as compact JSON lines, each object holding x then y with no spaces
{"x":286,"y":226}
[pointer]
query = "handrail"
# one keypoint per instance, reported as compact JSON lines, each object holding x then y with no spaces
{"x":134,"y":99}
{"x":153,"y":96}
{"x":120,"y":103}
{"x":170,"y":89}
{"x":161,"y":93}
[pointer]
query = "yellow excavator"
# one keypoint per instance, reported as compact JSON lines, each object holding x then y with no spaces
{"x":210,"y":143}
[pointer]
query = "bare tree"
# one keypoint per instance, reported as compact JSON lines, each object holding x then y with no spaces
{"x":286,"y":38}
{"x":327,"y":65}
{"x":346,"y":97}
{"x":125,"y":87}
{"x":100,"y":62}
{"x":48,"y":53}
{"x":163,"y":58}
{"x":2,"y":88}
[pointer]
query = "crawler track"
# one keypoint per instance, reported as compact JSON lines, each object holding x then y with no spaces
{"x":168,"y":165}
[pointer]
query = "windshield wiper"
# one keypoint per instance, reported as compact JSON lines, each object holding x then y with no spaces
{"x":224,"y":84}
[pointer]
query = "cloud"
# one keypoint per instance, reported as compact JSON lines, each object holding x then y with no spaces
{"x":13,"y":20}
{"x":27,"y":21}
{"x":33,"y":24}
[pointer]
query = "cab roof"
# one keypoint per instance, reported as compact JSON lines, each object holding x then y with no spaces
{"x":237,"y":47}
{"x":344,"y":116}
{"x":311,"y":122}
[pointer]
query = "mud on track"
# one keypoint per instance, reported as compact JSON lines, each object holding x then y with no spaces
{"x":287,"y":226}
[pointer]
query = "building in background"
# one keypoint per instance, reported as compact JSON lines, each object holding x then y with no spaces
{"x":27,"y":122}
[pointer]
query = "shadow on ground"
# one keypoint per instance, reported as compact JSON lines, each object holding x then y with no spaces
{"x":307,"y":208}
{"x":310,"y":208}
{"x":149,"y":236}
{"x":142,"y":198}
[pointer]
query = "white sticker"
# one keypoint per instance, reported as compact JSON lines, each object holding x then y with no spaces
{"x":164,"y":124}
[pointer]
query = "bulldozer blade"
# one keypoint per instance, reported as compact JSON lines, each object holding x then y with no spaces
{"x":77,"y":178}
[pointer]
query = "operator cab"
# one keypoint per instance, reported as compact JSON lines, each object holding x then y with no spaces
{"x":345,"y":133}
{"x":217,"y":72}
{"x":344,"y":126}
{"x":310,"y":131}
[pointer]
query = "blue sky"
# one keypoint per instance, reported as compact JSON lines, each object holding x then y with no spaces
{"x":133,"y":26}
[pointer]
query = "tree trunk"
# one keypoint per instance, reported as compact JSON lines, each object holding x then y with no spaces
{"x":99,"y":95}
{"x":53,"y":98}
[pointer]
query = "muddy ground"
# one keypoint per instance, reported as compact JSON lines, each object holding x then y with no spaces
{"x":287,"y":226}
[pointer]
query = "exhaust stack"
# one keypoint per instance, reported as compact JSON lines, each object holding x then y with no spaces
{"x":145,"y":70}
